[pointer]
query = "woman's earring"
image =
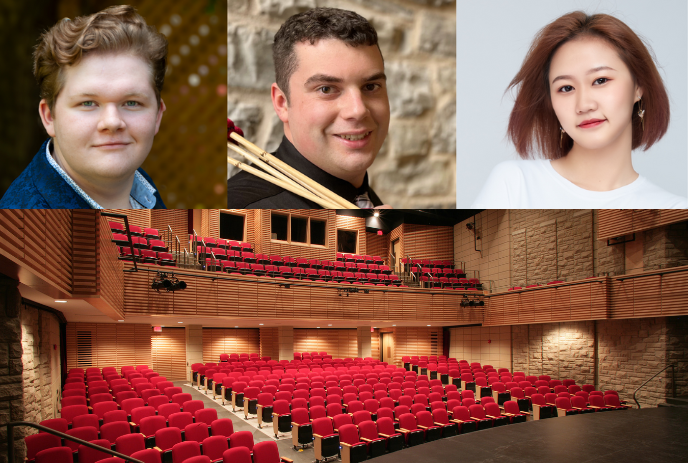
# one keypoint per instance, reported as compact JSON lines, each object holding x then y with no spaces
{"x":641,"y":113}
{"x":561,"y":137}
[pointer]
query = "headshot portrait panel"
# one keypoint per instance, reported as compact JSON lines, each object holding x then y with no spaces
{"x":363,"y":100}
{"x":147,"y":129}
{"x":576,"y":119}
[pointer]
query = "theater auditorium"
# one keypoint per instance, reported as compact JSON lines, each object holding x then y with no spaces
{"x":319,"y":335}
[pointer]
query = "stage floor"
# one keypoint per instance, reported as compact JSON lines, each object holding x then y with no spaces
{"x":647,"y":435}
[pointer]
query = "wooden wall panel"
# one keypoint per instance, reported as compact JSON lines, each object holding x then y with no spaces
{"x":218,"y":341}
{"x":375,"y":344}
{"x":398,"y":233}
{"x":40,"y":241}
{"x":358,"y":224}
{"x":269,"y":343}
{"x":111,"y":275}
{"x":378,"y":245}
{"x":340,"y":343}
{"x":266,"y":245}
{"x":85,"y":241}
{"x":651,"y":295}
{"x":587,"y":301}
{"x":111,"y":344}
{"x":169,"y":352}
{"x":138,"y":217}
{"x":258,"y":298}
{"x":428,"y":242}
{"x":416,"y":341}
{"x":612,"y":223}
{"x":177,"y":220}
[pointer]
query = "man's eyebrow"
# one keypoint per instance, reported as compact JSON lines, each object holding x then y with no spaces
{"x":126,"y":95}
{"x":317,"y":78}
{"x":591,"y":71}
{"x":377,"y":76}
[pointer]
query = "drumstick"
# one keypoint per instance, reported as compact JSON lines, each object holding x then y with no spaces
{"x":294,"y":174}
{"x":282,"y":184}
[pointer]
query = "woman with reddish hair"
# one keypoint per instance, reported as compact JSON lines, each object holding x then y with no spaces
{"x":589,"y":93}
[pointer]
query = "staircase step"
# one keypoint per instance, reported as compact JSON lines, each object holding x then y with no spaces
{"x":681,"y":401}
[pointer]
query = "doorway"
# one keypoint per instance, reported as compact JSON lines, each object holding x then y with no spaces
{"x":387,"y":347}
{"x":396,"y":259}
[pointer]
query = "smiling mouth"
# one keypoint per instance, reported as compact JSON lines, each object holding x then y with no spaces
{"x":354,"y":137}
{"x":591,"y":123}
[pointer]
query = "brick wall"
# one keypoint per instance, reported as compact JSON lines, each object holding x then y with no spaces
{"x":11,"y":368}
{"x":416,"y":167}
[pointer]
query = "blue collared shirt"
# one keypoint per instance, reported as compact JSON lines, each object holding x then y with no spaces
{"x":40,"y":186}
{"x":142,"y":195}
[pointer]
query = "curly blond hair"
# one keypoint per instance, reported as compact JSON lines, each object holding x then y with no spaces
{"x":116,"y":29}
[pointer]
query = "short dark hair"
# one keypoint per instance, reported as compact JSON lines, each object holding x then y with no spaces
{"x":314,"y":25}
{"x":533,"y":122}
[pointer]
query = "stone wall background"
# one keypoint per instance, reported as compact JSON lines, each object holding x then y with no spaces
{"x":416,"y":167}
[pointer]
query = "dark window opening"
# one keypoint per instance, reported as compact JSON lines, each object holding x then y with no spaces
{"x":278,"y":228}
{"x":318,"y":232}
{"x":232,"y":227}
{"x":346,"y":241}
{"x":299,"y":229}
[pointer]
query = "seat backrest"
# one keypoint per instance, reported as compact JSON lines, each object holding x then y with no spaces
{"x":492,"y":409}
{"x":597,"y":401}
{"x":341,"y":420}
{"x":112,"y":431}
{"x":322,"y":426}
{"x":368,"y":430}
{"x":180,"y":419}
{"x":477,"y":411}
{"x":408,"y":421}
{"x":185,"y":450}
{"x":166,"y":438}
{"x":612,"y":400}
{"x":424,"y":418}
{"x":196,"y":432}
{"x":41,"y":441}
{"x":563,"y":402}
{"x":129,"y":443}
{"x":89,"y":455}
{"x":578,"y":402}
{"x":167,"y":409}
{"x":385,"y":426}
{"x":242,"y":439}
{"x":349,"y":434}
{"x":214,"y":447}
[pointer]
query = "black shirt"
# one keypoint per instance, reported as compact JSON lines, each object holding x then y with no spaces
{"x":246,"y":191}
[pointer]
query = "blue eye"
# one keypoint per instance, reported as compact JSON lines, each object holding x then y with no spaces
{"x":88,"y":104}
{"x":132,"y":104}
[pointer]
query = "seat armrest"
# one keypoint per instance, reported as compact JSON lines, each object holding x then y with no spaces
{"x":421,"y":426}
{"x":402,"y":430}
{"x":344,"y":443}
{"x":456,"y":421}
{"x":317,"y":435}
{"x":492,"y":416}
{"x":439,"y":424}
{"x":158,"y":449}
{"x":286,"y":460}
{"x":365,"y":439}
{"x":384,"y":435}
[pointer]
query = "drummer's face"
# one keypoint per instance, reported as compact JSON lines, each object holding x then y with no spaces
{"x":337,"y":115}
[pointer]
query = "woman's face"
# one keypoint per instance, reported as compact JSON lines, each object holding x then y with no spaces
{"x":593,"y":94}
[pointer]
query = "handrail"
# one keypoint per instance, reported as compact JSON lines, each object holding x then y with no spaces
{"x":673,"y":382}
{"x":126,"y":228}
{"x":10,"y":441}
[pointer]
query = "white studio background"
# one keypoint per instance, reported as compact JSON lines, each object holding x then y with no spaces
{"x":493,"y":38}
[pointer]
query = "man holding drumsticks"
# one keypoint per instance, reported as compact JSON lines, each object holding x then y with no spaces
{"x":331,"y":96}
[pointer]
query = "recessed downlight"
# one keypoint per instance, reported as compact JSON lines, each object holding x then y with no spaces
{"x":62,"y":302}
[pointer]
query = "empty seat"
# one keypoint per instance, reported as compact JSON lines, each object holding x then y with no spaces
{"x":326,"y":442}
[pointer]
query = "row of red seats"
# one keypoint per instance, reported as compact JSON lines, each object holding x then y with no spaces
{"x":410,"y":263}
{"x":208,"y":254}
{"x":134,"y":230}
{"x":220,"y":243}
{"x":147,"y":256}
{"x":297,"y":273}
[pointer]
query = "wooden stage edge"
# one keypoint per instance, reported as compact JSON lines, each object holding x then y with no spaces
{"x":647,"y":435}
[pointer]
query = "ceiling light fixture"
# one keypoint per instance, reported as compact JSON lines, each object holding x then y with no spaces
{"x":62,"y":302}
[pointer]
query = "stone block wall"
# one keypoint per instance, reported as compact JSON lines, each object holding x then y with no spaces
{"x":41,"y":363}
{"x":560,"y":350}
{"x":11,"y":369}
{"x":416,"y":166}
{"x":522,"y":247}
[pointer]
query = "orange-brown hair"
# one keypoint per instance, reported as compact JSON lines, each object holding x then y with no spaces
{"x":533,"y":123}
{"x":115,"y":29}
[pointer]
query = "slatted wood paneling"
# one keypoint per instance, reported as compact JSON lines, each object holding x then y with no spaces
{"x":253,"y":300}
{"x":416,"y":341}
{"x":111,"y":275}
{"x":398,"y":233}
{"x":85,"y":253}
{"x":375,"y":344}
{"x":40,"y":241}
{"x":111,"y":344}
{"x":612,"y":223}
{"x":378,"y":245}
{"x":587,"y":301}
{"x":218,"y":341}
{"x":340,"y":343}
{"x":269,"y":343}
{"x":428,"y":242}
{"x":653,"y":295}
{"x":138,"y":217}
{"x":176,"y":219}
{"x":358,"y":224}
{"x":267,"y":246}
{"x":169,"y":352}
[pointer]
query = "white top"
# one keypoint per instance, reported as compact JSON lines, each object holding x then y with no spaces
{"x":534,"y":184}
